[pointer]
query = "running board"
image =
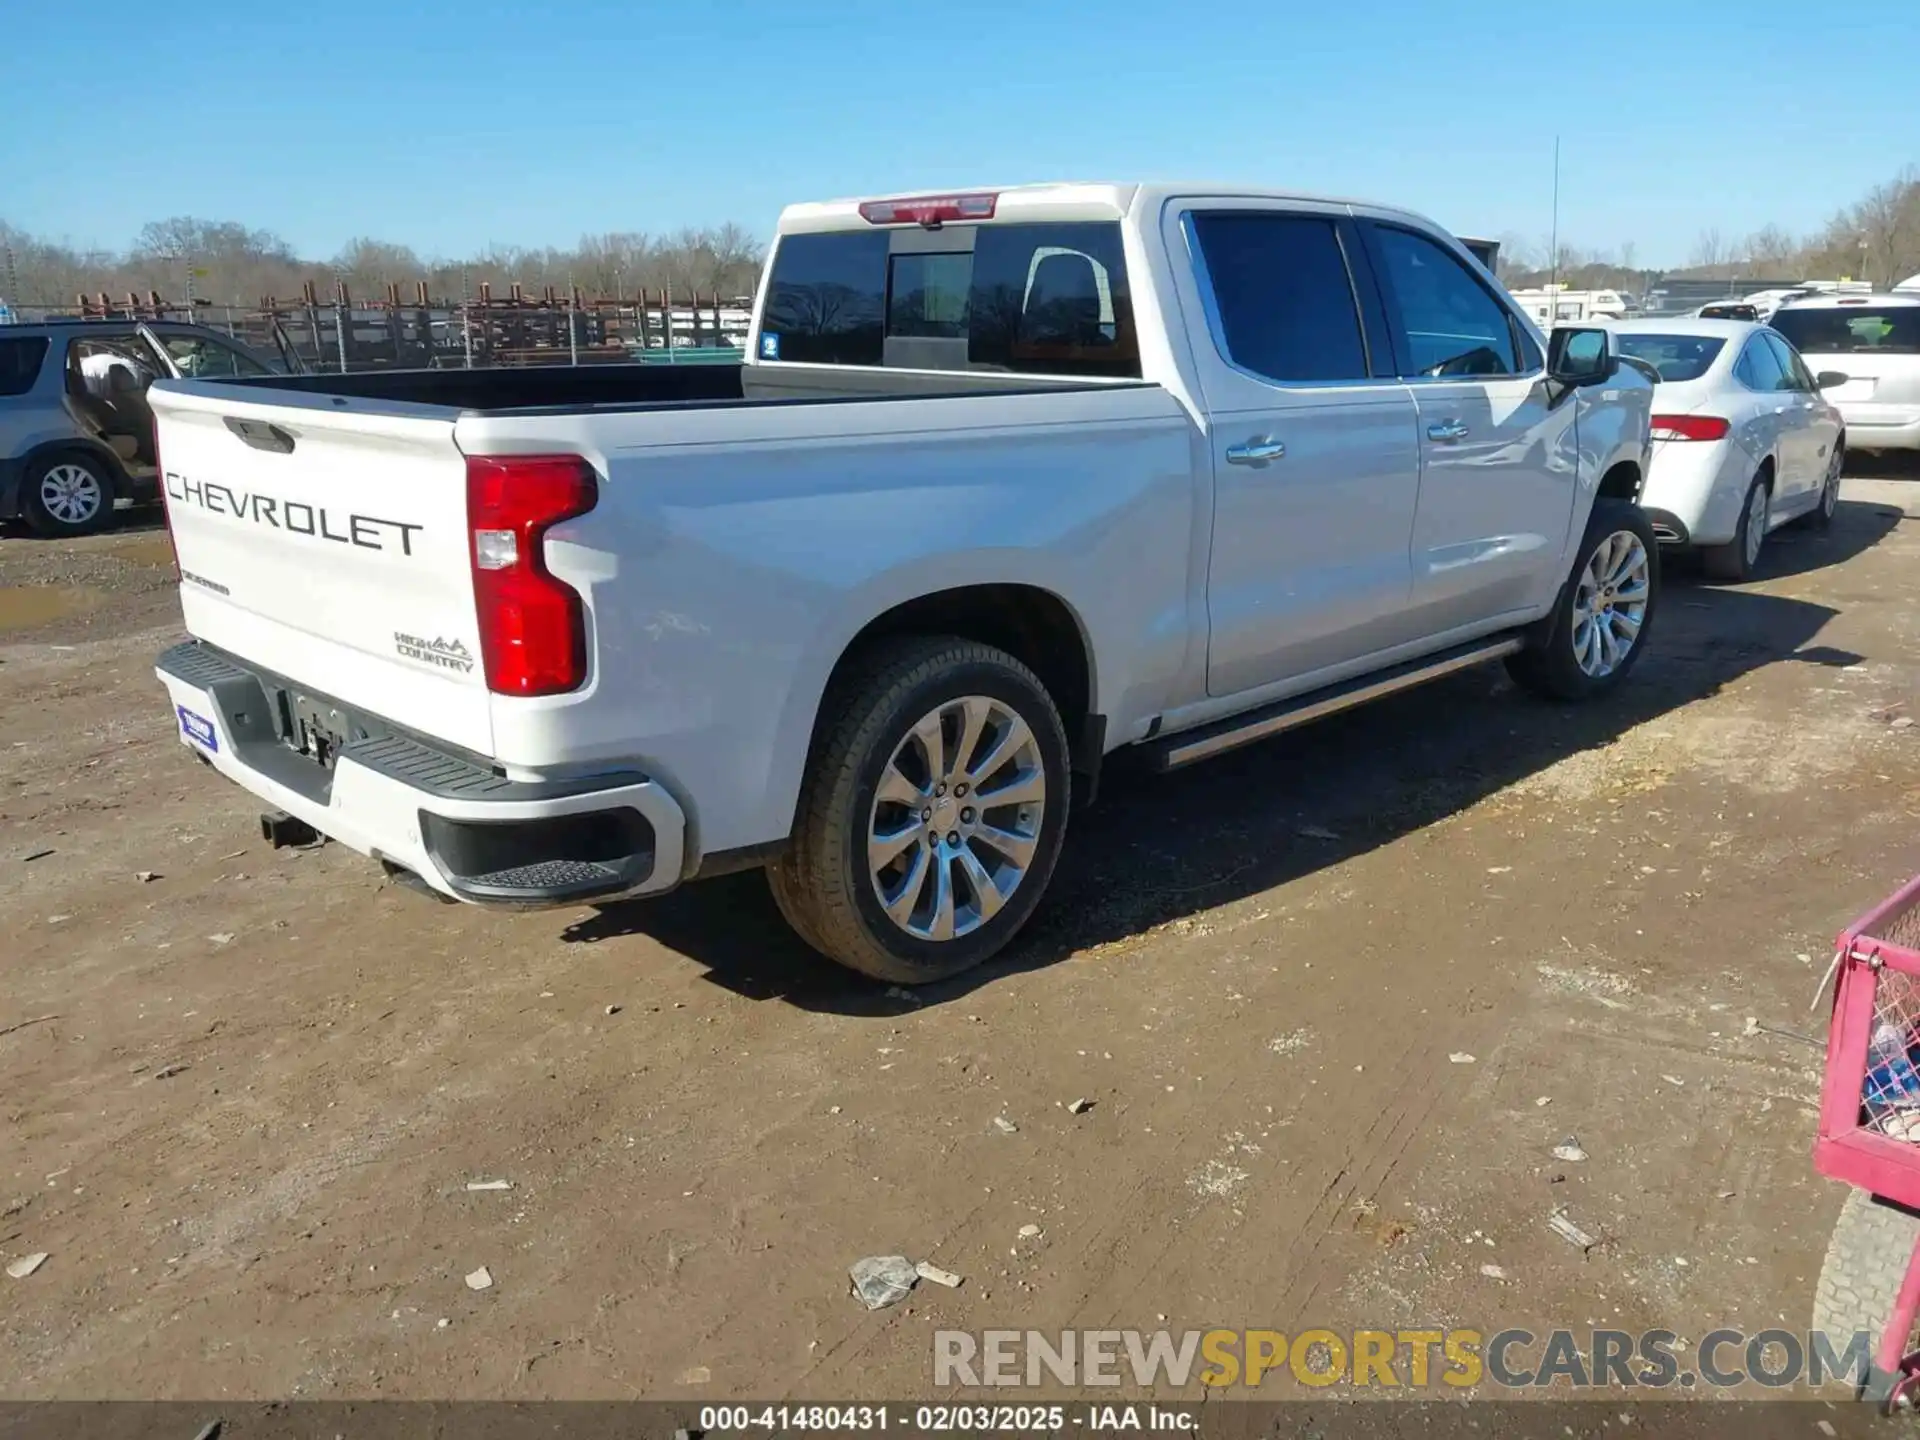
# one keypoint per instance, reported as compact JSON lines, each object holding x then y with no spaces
{"x":1230,"y":734}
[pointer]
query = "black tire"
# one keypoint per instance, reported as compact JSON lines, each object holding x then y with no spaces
{"x":1549,"y":666}
{"x":69,"y":473}
{"x":1860,"y":1279}
{"x":1821,"y":516}
{"x":822,"y":883}
{"x":1730,"y":563}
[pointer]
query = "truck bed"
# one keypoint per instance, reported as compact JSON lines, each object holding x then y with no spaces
{"x":562,"y":388}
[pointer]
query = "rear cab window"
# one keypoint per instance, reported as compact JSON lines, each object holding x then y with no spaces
{"x":1020,"y":297}
{"x":20,"y":359}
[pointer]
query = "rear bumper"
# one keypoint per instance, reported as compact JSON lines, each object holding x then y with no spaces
{"x":467,"y":831}
{"x":1668,"y":528}
{"x":1695,"y":490}
{"x":1868,"y":428}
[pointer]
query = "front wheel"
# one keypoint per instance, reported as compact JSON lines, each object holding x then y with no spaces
{"x":932,"y":812}
{"x":1599,"y":625}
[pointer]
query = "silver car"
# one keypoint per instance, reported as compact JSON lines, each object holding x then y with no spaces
{"x":1874,"y":341}
{"x":75,"y":430}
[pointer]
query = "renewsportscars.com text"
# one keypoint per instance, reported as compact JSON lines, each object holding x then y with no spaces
{"x":1456,"y":1359}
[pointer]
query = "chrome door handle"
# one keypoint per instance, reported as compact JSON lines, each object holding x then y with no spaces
{"x":1447,"y":430}
{"x":1256,"y":452}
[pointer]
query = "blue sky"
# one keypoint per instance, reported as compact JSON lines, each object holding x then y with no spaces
{"x":451,"y":125}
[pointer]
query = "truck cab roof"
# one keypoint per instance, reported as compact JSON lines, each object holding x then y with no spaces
{"x":1062,"y":200}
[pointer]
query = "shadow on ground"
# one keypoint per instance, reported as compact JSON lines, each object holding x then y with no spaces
{"x":1796,"y":549}
{"x":1884,"y":464}
{"x":127,"y":517}
{"x":1155,"y":848}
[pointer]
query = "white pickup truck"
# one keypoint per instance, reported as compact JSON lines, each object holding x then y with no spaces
{"x":1010,"y":479}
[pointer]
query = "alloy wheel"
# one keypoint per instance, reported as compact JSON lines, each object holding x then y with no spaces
{"x":956,"y":818}
{"x":1610,"y":603}
{"x":71,"y":493}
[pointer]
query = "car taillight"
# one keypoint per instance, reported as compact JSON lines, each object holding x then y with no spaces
{"x":928,"y":209}
{"x":1689,"y":427}
{"x":533,"y":630}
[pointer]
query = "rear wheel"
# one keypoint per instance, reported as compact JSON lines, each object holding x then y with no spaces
{"x":1822,"y":514}
{"x":932,"y":812}
{"x":66,"y":495}
{"x":1599,"y":627}
{"x":1736,"y":560}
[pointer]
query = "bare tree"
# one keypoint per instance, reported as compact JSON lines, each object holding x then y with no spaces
{"x":1772,"y":247}
{"x":612,"y":264}
{"x":369,"y":266}
{"x":1710,"y":251}
{"x":1888,"y":220}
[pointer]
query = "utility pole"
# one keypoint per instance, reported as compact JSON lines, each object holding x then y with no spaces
{"x":1553,"y":242}
{"x":466,"y":312}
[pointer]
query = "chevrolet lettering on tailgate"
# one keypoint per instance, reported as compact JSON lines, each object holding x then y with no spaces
{"x":369,"y":532}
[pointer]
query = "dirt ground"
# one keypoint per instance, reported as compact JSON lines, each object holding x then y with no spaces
{"x":241,"y":1101}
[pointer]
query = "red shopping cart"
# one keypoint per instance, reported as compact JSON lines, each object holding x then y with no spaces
{"x":1870,"y":1137}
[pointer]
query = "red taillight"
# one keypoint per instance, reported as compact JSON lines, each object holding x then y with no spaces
{"x":1689,"y":427}
{"x":928,"y":209}
{"x":533,"y":630}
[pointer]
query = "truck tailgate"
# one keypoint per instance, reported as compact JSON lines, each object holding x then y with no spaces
{"x":329,"y":544}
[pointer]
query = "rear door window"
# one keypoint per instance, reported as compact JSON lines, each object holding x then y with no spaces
{"x":1283,"y":295}
{"x":20,"y":358}
{"x":1453,"y":326}
{"x":1759,"y":368}
{"x":1794,"y":375}
{"x":1037,"y":299}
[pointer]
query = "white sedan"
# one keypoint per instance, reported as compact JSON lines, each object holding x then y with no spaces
{"x":1743,"y":441}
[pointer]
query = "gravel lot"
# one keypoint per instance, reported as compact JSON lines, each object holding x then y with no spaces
{"x":247,"y":1095}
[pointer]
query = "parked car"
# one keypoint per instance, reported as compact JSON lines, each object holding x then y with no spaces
{"x":76,"y":432}
{"x":1010,"y":480}
{"x":1874,"y":342}
{"x":1743,"y":440}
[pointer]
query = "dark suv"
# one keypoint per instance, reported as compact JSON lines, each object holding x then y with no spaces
{"x":75,"y":430}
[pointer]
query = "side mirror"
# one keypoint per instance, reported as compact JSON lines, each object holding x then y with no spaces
{"x":1827,"y":379}
{"x":1580,"y":356}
